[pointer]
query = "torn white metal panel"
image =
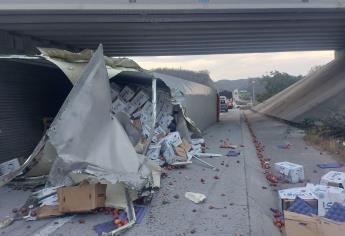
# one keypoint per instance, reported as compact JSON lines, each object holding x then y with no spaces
{"x":83,"y":130}
{"x":74,"y":70}
{"x":73,"y":64}
{"x":86,"y":55}
{"x":46,"y":159}
{"x":197,"y":101}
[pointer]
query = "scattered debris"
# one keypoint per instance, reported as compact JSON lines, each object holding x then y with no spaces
{"x":165,"y":202}
{"x":206,"y":163}
{"x":284,"y":146}
{"x":213,"y":207}
{"x":278,"y":218}
{"x":81,"y":221}
{"x":233,"y":153}
{"x":272,"y":178}
{"x":195,"y":197}
{"x":330,"y":165}
{"x":210,"y":155}
{"x":225,"y":144}
{"x":6,"y":222}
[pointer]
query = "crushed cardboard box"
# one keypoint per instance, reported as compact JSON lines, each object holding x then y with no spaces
{"x":287,"y":196}
{"x":183,"y":149}
{"x":82,"y":198}
{"x":44,"y":212}
{"x":302,"y":225}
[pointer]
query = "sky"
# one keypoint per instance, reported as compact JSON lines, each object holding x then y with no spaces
{"x":241,"y":66}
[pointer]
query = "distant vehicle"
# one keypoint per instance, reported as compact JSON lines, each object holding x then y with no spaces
{"x":230,"y":104}
{"x":223,"y":104}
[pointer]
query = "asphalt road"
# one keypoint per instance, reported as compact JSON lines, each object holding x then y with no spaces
{"x":238,"y":196}
{"x":241,"y":204}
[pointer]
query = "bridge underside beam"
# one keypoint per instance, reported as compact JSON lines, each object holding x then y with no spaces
{"x":134,"y":32}
{"x":14,"y":43}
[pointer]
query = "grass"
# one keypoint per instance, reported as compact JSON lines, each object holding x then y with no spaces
{"x":331,"y":145}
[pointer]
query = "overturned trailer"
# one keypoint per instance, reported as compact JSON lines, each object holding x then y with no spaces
{"x":57,"y":118}
{"x":33,"y":89}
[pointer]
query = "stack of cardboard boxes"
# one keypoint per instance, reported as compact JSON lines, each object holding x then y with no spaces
{"x":166,"y":146}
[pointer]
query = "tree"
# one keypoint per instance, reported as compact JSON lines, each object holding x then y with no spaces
{"x":314,"y":69}
{"x":275,"y":82}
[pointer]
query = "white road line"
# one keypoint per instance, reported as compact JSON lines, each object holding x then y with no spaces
{"x":52,"y":226}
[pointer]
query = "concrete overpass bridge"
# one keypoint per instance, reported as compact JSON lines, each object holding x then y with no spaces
{"x":150,"y":27}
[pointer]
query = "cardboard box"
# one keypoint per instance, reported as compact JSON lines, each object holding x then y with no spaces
{"x":168,"y":152}
{"x":44,"y":212}
{"x":183,"y":149}
{"x":287,"y":196}
{"x":137,"y":124}
{"x":165,"y":120}
{"x":146,"y":119}
{"x":126,"y":94}
{"x":291,"y":172}
{"x":327,"y":195}
{"x":302,"y":225}
{"x":114,"y":91}
{"x":140,"y":98}
{"x":118,"y":105}
{"x":147,"y":109}
{"x":82,"y":198}
{"x":130,"y":108}
{"x":334,"y":178}
{"x":154,"y":152}
{"x":173,"y":139}
{"x":159,"y":134}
